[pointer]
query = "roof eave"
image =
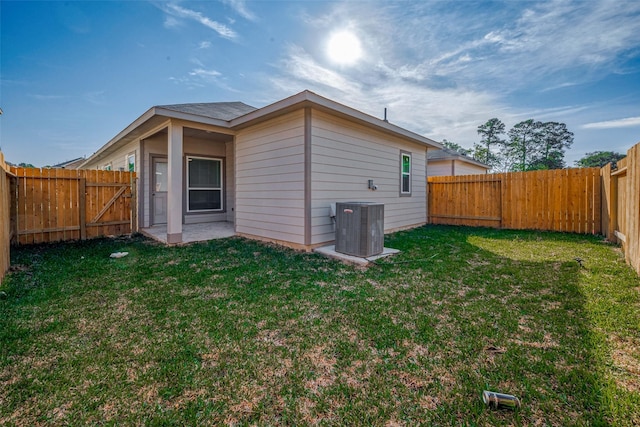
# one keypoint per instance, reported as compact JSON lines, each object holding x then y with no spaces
{"x":308,"y":98}
{"x":149,"y":114}
{"x":179,"y":115}
{"x":121,"y":135}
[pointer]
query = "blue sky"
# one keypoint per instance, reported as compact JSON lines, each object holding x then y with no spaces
{"x":74,"y":74}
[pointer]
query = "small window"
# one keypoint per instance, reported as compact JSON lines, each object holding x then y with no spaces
{"x":204,"y":184}
{"x":131,"y":162}
{"x":107,"y":167}
{"x":405,"y":173}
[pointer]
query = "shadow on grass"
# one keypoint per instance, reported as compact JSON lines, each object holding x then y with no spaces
{"x":234,"y":331}
{"x":555,"y":298}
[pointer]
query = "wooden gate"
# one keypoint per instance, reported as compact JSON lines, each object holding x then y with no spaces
{"x":59,"y":204}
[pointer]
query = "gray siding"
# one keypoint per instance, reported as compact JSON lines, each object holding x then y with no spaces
{"x":464,"y":168}
{"x":441,"y":167}
{"x":454,"y":167}
{"x":345,"y":156}
{"x":118,"y":158}
{"x":269,"y":183}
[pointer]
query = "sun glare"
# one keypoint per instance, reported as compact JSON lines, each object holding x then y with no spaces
{"x":344,"y":48}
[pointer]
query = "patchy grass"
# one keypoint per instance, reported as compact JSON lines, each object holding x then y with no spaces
{"x":237,"y":332}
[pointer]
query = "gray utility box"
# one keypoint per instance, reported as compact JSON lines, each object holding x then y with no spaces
{"x":360,"y":228}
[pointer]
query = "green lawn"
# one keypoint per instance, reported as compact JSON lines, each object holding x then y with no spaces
{"x":238,"y":332}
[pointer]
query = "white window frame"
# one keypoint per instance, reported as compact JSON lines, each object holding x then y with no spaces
{"x":404,"y":154}
{"x":221,"y":188}
{"x":126,"y":162}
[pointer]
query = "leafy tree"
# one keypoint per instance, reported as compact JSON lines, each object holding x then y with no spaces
{"x":25,"y":165}
{"x":598,"y":159}
{"x":530,"y":145}
{"x":554,"y":138}
{"x":490,"y":136}
{"x":456,"y":147}
{"x":523,"y":144}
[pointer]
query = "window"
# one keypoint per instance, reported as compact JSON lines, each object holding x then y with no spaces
{"x":405,"y":173}
{"x":131,"y":162}
{"x":107,"y":167}
{"x":204,"y":184}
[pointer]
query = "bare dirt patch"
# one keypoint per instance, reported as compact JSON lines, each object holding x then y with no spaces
{"x":626,"y":357}
{"x":429,"y":402}
{"x":323,"y":366}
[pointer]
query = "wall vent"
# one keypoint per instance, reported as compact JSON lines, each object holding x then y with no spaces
{"x":360,"y":228}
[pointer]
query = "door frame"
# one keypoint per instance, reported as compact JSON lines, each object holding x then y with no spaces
{"x":152,"y":177}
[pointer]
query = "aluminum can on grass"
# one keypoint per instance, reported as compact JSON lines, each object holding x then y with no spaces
{"x":500,"y":400}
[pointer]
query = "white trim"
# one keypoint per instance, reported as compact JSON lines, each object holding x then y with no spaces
{"x":126,"y":161}
{"x":190,"y":117}
{"x":404,"y":154}
{"x":221,"y":189}
{"x":155,"y":129}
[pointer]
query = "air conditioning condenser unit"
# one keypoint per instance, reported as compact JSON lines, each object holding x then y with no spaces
{"x":360,"y":228}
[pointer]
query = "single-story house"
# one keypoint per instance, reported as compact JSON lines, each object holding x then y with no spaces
{"x":272,"y":172}
{"x":450,"y":162}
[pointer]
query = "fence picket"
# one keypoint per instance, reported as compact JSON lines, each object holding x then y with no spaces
{"x":52,"y":204}
{"x":7,"y":185}
{"x":556,"y":200}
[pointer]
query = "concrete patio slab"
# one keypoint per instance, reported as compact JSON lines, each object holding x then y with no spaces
{"x":193,"y":232}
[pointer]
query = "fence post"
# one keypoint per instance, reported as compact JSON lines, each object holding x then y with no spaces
{"x":134,"y":204}
{"x":82,"y":205}
{"x":13,"y":209}
{"x":500,"y":184}
{"x":613,"y":209}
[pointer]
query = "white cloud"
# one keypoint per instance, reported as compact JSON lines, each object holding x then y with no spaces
{"x":451,"y":113}
{"x":204,"y":45}
{"x":304,"y":68}
{"x":171,"y":22}
{"x":559,"y":86}
{"x":559,"y":35}
{"x":613,"y":124}
{"x":201,"y":77}
{"x":505,"y":47}
{"x":240,"y":6}
{"x":41,"y":97}
{"x":206,"y":74}
{"x":176,"y":11}
{"x":442,"y":71}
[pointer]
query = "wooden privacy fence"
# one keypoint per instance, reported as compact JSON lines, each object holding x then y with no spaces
{"x":555,"y":200}
{"x":621,"y":205}
{"x":58,"y":204}
{"x":7,"y":181}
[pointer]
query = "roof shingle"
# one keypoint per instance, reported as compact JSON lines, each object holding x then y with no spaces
{"x":215,"y":110}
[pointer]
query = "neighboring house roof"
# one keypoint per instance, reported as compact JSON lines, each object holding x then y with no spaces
{"x":448,"y":154}
{"x":70,"y":164}
{"x":213,"y":110}
{"x":236,"y":115}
